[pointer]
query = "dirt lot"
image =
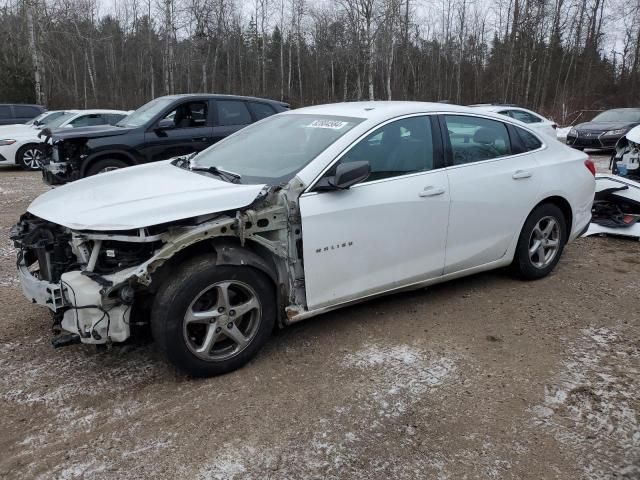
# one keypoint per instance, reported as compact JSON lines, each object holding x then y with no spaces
{"x":486,"y":377}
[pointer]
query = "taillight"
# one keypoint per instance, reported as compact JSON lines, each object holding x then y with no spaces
{"x":590,"y":166}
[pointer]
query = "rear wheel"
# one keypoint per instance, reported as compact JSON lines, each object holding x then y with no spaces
{"x":30,"y":156}
{"x":541,"y":242}
{"x":208,"y":320}
{"x":106,"y":165}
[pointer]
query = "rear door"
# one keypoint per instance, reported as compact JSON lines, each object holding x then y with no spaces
{"x":231,"y":116}
{"x":190,"y":130}
{"x":493,"y":188}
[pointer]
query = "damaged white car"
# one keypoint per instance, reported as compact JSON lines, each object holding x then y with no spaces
{"x":301,"y":213}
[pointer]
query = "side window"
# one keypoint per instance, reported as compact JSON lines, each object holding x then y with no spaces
{"x":474,"y":139}
{"x":398,"y":148}
{"x":5,"y":111}
{"x":189,"y":115}
{"x":24,"y":111}
{"x":232,"y":112}
{"x":261,"y":110}
{"x":524,"y":116}
{"x":529,"y":141}
{"x":114,"y":118}
{"x":88,"y":120}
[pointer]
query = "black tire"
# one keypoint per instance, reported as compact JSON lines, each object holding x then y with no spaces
{"x":177,"y":295}
{"x":523,"y":264}
{"x":25,"y":157}
{"x":105,"y":165}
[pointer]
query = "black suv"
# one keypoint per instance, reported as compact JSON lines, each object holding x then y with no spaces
{"x":164,"y":128}
{"x":18,"y":113}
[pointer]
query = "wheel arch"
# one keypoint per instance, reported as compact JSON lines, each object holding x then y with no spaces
{"x":227,"y":251}
{"x":112,"y":154}
{"x":565,"y":208}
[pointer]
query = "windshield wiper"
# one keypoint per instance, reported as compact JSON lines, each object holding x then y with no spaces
{"x":230,"y":177}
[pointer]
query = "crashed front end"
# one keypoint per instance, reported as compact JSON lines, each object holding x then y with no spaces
{"x":62,"y":162}
{"x":82,"y":277}
{"x":98,"y":285}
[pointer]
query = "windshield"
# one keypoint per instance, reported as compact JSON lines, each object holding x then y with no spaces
{"x":56,"y":122}
{"x":145,"y":113}
{"x":276,"y":149}
{"x":39,"y":118}
{"x":623,"y":115}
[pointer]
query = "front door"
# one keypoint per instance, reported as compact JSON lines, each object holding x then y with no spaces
{"x":386,"y":232}
{"x":191,"y":132}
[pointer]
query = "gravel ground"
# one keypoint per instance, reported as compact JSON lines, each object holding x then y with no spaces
{"x":485,"y":377}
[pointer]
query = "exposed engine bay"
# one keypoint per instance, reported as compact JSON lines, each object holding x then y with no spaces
{"x":98,"y":284}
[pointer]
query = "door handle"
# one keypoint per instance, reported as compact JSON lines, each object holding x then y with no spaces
{"x":521,"y":174}
{"x":431,"y":191}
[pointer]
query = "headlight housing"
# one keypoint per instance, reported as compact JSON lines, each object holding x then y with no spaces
{"x":573,"y":132}
{"x":619,"y":131}
{"x":5,"y":142}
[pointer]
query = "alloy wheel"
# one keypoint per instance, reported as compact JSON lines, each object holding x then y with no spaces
{"x":32,"y":158}
{"x":222,"y":320}
{"x":544,"y":242}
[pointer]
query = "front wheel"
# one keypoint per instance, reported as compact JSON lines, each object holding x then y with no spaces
{"x":29,"y":157}
{"x":208,"y":320}
{"x":107,"y":165}
{"x":541,"y":242}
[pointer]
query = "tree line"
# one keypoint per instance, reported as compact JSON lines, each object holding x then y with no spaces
{"x":558,"y":57}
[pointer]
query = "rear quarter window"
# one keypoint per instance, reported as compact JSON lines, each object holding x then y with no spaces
{"x":261,"y":110}
{"x":528,"y":140}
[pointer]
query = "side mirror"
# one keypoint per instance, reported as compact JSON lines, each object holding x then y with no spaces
{"x":166,"y":124}
{"x":347,"y":174}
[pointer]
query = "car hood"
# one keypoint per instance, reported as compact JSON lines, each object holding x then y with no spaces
{"x":141,"y":196}
{"x":603,"y":126}
{"x":88,"y":132}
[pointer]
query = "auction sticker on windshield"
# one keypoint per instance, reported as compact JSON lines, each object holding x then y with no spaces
{"x":332,"y":124}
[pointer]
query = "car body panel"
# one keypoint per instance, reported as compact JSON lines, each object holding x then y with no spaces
{"x":373,"y":237}
{"x":147,"y":195}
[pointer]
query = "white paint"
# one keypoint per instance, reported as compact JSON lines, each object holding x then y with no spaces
{"x":140,"y":196}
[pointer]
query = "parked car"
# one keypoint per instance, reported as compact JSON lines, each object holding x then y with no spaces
{"x":37,"y":122}
{"x":18,"y":112}
{"x":604,"y":131}
{"x":305,"y":212}
{"x":22,"y":145}
{"x":163,"y":128}
{"x":536,"y":121}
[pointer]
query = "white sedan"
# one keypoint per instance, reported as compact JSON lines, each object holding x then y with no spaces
{"x":21,"y":144}
{"x":534,"y":120}
{"x":301,"y":213}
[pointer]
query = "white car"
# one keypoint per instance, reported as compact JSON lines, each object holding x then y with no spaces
{"x":22,"y":144}
{"x":534,"y":120}
{"x":301,"y":213}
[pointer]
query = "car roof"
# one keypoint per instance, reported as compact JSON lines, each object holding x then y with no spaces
{"x":373,"y":110}
{"x":21,"y":105}
{"x":97,"y":110}
{"x":625,"y":109}
{"x":223,"y":96}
